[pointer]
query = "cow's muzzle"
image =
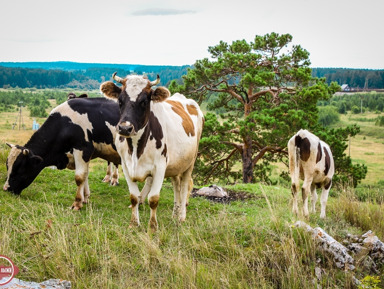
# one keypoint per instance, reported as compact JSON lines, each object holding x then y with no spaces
{"x":125,"y":130}
{"x":6,"y":187}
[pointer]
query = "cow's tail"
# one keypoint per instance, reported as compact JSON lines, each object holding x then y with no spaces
{"x":294,"y":161}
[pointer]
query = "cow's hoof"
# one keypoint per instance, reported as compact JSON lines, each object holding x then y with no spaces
{"x":114,"y":183}
{"x":76,"y":207}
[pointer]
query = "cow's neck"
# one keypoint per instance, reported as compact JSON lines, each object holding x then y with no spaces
{"x":44,"y":143}
{"x":139,"y":141}
{"x":39,"y":143}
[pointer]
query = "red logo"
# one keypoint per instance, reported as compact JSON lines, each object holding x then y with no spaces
{"x":7,"y":270}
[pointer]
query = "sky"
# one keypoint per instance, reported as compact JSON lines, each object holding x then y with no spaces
{"x":337,"y":33}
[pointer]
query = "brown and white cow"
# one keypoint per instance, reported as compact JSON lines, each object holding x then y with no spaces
{"x":311,"y":160}
{"x":158,"y":137}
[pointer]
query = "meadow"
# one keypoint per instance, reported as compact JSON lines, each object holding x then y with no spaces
{"x":249,"y":243}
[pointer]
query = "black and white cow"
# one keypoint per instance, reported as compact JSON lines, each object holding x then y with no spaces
{"x":75,"y":132}
{"x":311,"y":160}
{"x":158,"y":137}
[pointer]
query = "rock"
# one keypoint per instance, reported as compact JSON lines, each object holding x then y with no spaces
{"x":330,"y":246}
{"x":212,"y":191}
{"x":49,"y":284}
{"x":318,"y":273}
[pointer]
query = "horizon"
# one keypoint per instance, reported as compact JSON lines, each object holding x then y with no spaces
{"x":159,"y":65}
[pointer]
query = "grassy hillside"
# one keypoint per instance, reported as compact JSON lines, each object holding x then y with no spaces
{"x":248,"y":243}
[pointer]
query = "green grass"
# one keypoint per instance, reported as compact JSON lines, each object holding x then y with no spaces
{"x":244,"y":244}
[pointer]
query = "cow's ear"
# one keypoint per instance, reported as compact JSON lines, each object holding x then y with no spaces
{"x":110,"y":90}
{"x":36,"y":159}
{"x":160,"y":94}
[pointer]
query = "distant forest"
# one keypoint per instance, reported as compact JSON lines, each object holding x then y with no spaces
{"x":355,"y":78}
{"x":78,"y":75}
{"x":91,"y":75}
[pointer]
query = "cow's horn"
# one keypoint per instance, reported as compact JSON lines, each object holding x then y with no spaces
{"x":10,"y":145}
{"x":117,"y":78}
{"x":155,"y":82}
{"x":25,"y":152}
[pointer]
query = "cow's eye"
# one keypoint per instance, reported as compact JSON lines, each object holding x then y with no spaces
{"x":143,"y":103}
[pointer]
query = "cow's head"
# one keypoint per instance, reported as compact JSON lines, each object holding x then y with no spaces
{"x":23,"y":166}
{"x":134,"y":98}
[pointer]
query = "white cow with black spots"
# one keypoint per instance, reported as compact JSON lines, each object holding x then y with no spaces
{"x":311,"y":160}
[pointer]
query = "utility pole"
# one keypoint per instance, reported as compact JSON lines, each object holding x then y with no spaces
{"x":19,"y":117}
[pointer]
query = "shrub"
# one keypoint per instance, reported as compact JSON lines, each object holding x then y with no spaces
{"x":356,"y":109}
{"x":328,"y":115}
{"x":380,"y":121}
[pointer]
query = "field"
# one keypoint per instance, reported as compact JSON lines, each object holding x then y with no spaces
{"x":248,"y":243}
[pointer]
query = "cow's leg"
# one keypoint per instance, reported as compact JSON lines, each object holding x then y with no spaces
{"x":107,"y":177}
{"x":176,"y":196}
{"x":313,"y":198}
{"x":324,"y":197}
{"x":184,"y":193}
{"x":190,"y":188}
{"x":147,"y":187}
{"x":81,"y":177}
{"x":306,"y":189}
{"x":87,"y":191}
{"x":134,"y":194}
{"x":294,"y":189}
{"x":115,"y":175}
{"x":144,"y":192}
{"x":153,"y":198}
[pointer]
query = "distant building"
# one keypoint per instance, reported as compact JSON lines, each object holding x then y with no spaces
{"x":345,"y":87}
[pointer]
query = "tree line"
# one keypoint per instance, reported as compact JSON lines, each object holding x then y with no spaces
{"x":355,"y":78}
{"x":91,"y":75}
{"x":89,"y":78}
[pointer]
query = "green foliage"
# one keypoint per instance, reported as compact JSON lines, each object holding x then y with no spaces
{"x":328,"y":115}
{"x":380,"y":121}
{"x":370,"y":282}
{"x":38,"y":111}
{"x":264,"y":93}
{"x":354,"y":102}
{"x":355,"y":109}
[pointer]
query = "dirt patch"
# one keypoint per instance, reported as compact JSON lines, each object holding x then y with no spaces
{"x":232,"y":196}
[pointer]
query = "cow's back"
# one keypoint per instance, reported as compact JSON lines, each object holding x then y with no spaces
{"x":95,"y":119}
{"x":182,"y":122}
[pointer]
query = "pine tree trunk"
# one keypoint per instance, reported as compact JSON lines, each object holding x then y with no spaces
{"x":247,"y":161}
{"x":247,"y":152}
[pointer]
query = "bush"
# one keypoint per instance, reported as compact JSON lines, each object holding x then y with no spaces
{"x":328,"y":115}
{"x":380,"y":121}
{"x":38,"y":111}
{"x":356,"y":109}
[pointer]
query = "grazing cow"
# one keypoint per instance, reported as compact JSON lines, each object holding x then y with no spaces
{"x":311,"y":160}
{"x":75,"y":132}
{"x":158,"y":137}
